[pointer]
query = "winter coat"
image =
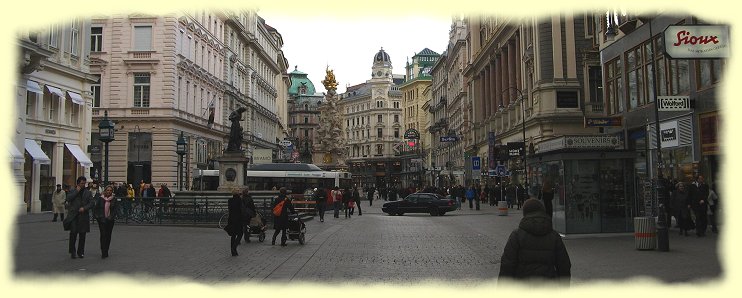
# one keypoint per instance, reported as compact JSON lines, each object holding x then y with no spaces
{"x":679,"y":204}
{"x":98,"y":208}
{"x":58,"y":198}
{"x":248,"y":209}
{"x":76,"y":199}
{"x":535,"y":250}
{"x":470,"y":193}
{"x":282,"y":222}
{"x":234,"y":205}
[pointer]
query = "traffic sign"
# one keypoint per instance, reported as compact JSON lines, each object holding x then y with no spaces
{"x":476,"y":163}
{"x":502,"y":171}
{"x":285,"y":143}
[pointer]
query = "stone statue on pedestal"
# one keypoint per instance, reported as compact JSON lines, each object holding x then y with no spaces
{"x":330,"y":144}
{"x":235,"y":131}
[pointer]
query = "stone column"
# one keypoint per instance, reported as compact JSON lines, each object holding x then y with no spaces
{"x":495,"y":80}
{"x":511,"y":69}
{"x":498,"y":82}
{"x":506,"y":75}
{"x":487,"y":95}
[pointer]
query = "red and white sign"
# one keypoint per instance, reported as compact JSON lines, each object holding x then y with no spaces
{"x":697,"y":41}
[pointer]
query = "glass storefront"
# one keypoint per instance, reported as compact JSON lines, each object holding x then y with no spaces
{"x":590,"y":195}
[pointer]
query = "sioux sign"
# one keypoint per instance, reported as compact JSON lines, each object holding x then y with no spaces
{"x":697,"y":41}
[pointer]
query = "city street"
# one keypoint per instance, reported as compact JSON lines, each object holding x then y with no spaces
{"x":461,"y":247}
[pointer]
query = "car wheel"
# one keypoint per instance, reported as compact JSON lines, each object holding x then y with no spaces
{"x":433,"y":211}
{"x":442,"y":213}
{"x":400,"y":213}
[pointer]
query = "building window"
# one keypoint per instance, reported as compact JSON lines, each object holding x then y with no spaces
{"x":142,"y":38}
{"x":306,"y":120}
{"x":614,"y":86}
{"x":30,"y":104}
{"x":679,"y":76}
{"x":709,"y":72}
{"x":380,"y":118}
{"x":636,"y":81}
{"x":379,"y":149}
{"x":74,"y":37}
{"x":379,"y":132}
{"x":141,"y":89}
{"x":595,"y":88}
{"x":95,"y":90}
{"x":396,"y":105}
{"x":396,"y":132}
{"x":53,"y":36}
{"x":96,"y":39}
{"x":396,"y":118}
{"x":306,"y":133}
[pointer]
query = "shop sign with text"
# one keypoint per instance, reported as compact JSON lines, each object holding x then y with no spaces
{"x":697,"y":41}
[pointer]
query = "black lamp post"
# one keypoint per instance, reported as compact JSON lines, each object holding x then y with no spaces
{"x":106,"y":132}
{"x":181,"y":150}
{"x":522,"y":107}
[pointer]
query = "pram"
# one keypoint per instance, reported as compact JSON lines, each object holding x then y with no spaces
{"x":296,"y":228}
{"x":258,"y":226}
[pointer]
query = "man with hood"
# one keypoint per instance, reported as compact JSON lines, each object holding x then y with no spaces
{"x":534,"y":250}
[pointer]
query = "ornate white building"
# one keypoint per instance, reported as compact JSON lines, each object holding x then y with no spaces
{"x":373,"y":126}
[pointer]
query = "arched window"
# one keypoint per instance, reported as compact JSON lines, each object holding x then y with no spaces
{"x":306,"y":107}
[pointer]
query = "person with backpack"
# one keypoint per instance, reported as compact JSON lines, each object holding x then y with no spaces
{"x":281,"y":207}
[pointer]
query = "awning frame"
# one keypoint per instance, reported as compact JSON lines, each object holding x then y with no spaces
{"x":34,"y":87}
{"x":36,"y":153}
{"x":76,"y":98}
{"x":55,"y":90}
{"x":80,"y":155}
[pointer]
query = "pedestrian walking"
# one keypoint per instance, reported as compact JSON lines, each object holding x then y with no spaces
{"x":699,"y":197}
{"x":357,"y":200}
{"x":58,"y":198}
{"x":337,"y":201}
{"x":370,"y":196}
{"x":234,"y":220}
{"x":164,"y":194}
{"x":79,"y":202}
{"x":281,"y":222}
{"x":547,"y":195}
{"x":713,"y":202}
{"x":248,"y":212}
{"x":680,"y":204}
{"x":320,"y":200}
{"x":105,"y":214}
{"x":470,"y":193}
{"x":534,"y":250}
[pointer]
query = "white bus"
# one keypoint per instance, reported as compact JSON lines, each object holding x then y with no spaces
{"x":294,"y":176}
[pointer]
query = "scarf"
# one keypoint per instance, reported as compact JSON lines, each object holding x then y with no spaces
{"x":107,"y":206}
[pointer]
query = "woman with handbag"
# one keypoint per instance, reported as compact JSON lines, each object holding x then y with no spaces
{"x":282,"y":205}
{"x":234,"y":223}
{"x":105,"y":214}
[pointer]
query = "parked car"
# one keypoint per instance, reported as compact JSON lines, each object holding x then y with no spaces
{"x":434,"y":204}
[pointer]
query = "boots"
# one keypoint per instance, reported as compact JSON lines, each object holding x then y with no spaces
{"x":55,"y":217}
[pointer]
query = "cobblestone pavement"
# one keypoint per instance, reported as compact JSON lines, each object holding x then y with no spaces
{"x":461,"y":247}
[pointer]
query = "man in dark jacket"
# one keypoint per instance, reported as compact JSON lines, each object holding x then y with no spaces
{"x":79,"y":203}
{"x":357,"y":199}
{"x":535,"y":250}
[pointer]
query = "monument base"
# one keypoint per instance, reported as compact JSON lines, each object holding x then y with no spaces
{"x":329,"y":162}
{"x":232,"y":167}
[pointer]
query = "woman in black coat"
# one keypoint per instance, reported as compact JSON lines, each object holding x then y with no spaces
{"x":234,"y":222}
{"x":79,"y":202}
{"x":248,"y":212}
{"x":281,"y":223}
{"x":680,"y":207}
{"x":105,"y":214}
{"x":535,"y":250}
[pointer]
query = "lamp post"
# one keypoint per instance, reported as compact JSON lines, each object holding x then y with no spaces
{"x":523,"y":108}
{"x":663,"y":239}
{"x":138,"y":166}
{"x":106,"y":132}
{"x":180,"y":148}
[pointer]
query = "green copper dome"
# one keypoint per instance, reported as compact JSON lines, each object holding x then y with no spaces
{"x":300,"y":84}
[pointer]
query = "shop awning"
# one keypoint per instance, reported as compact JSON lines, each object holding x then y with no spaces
{"x":55,"y":90}
{"x":76,"y":98}
{"x":79,"y":155}
{"x":34,"y":87}
{"x":15,"y":155}
{"x":37,"y":154}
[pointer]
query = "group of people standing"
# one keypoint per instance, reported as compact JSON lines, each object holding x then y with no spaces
{"x":694,"y":205}
{"x":345,"y":200}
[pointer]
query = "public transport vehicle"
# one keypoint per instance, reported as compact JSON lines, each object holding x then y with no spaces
{"x":297,"y":177}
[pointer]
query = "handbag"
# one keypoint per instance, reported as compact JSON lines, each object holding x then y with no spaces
{"x":278,"y":209}
{"x":67,"y":222}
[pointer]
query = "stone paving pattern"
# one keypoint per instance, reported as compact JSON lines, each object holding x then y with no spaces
{"x":461,"y":247}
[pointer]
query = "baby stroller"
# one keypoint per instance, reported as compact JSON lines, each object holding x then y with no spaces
{"x":258,"y":226}
{"x":296,"y":228}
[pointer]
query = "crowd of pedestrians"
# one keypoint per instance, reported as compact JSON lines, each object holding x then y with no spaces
{"x":695,"y":206}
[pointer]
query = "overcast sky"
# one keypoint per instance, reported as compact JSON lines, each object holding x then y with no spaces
{"x":348,"y":46}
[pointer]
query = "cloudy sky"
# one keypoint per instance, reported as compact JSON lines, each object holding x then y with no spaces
{"x":348,"y":46}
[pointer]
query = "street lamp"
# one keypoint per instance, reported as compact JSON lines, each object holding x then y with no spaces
{"x":106,"y":131}
{"x":180,"y":148}
{"x":523,"y":108}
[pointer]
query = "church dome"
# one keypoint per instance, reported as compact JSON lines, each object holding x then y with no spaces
{"x":382,"y":56}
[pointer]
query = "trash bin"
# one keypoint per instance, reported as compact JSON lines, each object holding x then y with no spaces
{"x":645,"y":233}
{"x":502,"y":208}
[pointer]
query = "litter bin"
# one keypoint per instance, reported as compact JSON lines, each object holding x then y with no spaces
{"x":502,"y":208}
{"x":645,"y":233}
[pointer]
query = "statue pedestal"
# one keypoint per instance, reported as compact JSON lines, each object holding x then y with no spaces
{"x":232,"y":167}
{"x":328,"y":161}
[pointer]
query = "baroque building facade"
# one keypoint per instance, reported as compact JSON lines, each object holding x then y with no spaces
{"x":184,"y":73}
{"x":53,"y":109}
{"x":303,"y":104}
{"x":372,"y":135}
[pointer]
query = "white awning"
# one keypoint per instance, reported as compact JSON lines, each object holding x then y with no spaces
{"x":34,"y":87}
{"x":76,"y":98}
{"x":79,"y":155}
{"x":55,"y":90}
{"x":16,"y":156}
{"x":37,"y":154}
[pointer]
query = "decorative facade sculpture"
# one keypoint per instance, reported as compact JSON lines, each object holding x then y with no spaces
{"x":330,"y":134}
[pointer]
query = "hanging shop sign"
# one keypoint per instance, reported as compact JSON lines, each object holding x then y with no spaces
{"x":669,"y":134}
{"x":411,"y":134}
{"x":516,"y":149}
{"x":697,"y":41}
{"x":673,"y":103}
{"x":580,"y":142}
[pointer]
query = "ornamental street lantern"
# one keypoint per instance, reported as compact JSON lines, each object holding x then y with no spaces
{"x":180,"y":148}
{"x":106,"y":130}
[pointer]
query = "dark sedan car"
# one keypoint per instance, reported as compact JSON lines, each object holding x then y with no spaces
{"x":434,"y":204}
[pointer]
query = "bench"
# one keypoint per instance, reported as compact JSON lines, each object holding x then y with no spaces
{"x":305,"y":206}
